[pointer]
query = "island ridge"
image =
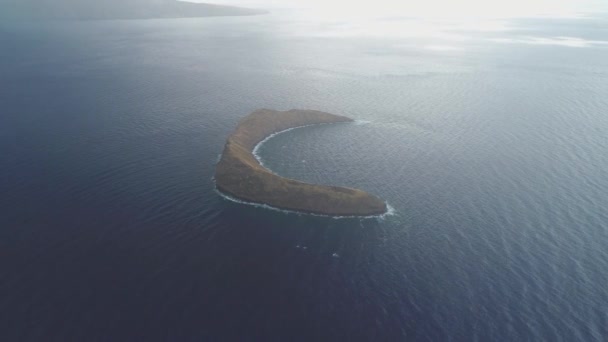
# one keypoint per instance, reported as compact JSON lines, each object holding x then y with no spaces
{"x":114,"y":9}
{"x":240,"y":175}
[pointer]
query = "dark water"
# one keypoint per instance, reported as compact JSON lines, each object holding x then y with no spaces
{"x":489,"y":143}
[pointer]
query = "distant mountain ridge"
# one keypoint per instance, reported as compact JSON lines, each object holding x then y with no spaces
{"x":114,"y":9}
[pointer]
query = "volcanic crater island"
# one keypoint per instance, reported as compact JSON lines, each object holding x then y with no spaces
{"x":239,"y":173}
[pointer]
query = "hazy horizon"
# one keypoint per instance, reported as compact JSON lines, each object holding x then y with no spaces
{"x":435,"y":8}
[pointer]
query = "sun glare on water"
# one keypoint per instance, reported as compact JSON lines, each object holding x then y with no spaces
{"x":434,"y":8}
{"x":440,"y":23}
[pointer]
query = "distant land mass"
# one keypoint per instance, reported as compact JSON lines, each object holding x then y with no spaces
{"x":114,"y":9}
{"x":240,"y":175}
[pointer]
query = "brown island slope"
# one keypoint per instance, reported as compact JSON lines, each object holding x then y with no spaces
{"x":240,"y":175}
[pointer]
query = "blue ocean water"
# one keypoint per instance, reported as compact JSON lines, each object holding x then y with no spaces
{"x":489,"y":140}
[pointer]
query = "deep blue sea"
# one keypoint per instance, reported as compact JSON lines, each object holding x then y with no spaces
{"x":489,"y":139}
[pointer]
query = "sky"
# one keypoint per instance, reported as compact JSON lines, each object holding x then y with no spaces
{"x":434,"y":8}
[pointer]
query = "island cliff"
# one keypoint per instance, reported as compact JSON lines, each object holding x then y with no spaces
{"x":240,"y":175}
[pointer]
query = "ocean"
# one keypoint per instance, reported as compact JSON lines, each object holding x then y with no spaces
{"x":488,"y":140}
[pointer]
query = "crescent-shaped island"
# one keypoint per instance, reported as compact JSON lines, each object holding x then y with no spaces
{"x":239,"y":174}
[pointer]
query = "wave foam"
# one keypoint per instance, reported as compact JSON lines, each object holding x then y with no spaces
{"x":389,"y":212}
{"x":256,"y":148}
